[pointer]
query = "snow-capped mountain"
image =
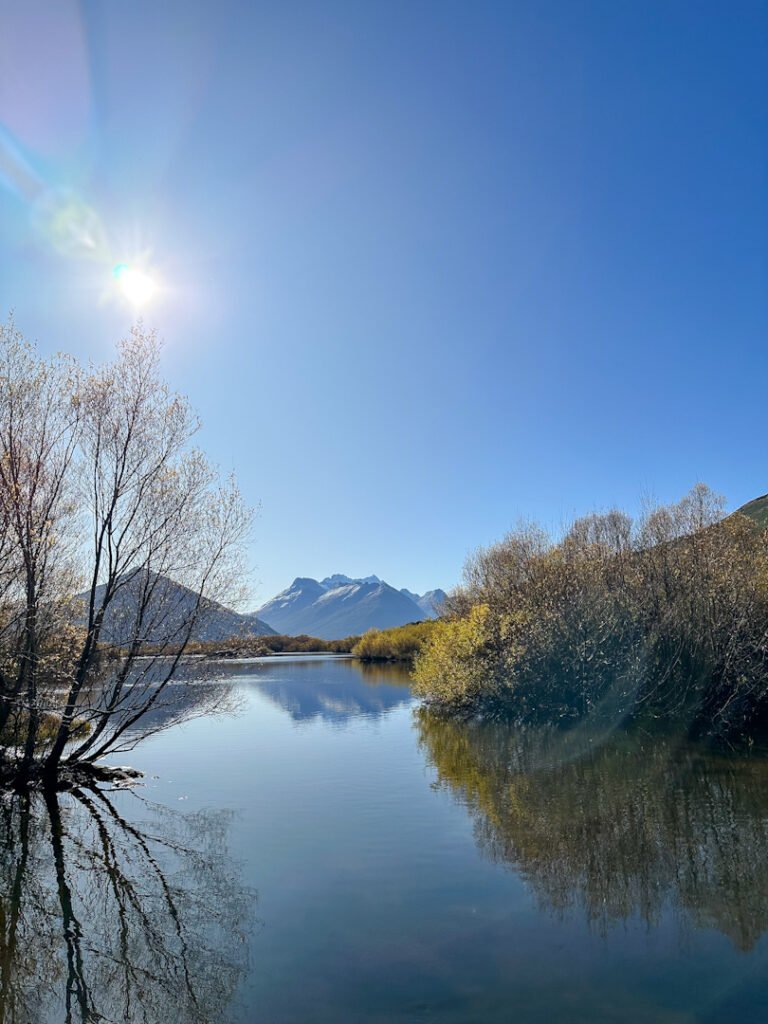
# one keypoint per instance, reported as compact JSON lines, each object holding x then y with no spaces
{"x":340,"y":606}
{"x":340,"y":580}
{"x":430,"y":603}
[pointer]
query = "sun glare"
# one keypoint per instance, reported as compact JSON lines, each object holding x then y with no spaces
{"x":136,"y":286}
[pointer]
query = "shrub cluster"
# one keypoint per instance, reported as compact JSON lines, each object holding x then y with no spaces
{"x":402,"y":643}
{"x":666,"y":617}
{"x":262,"y":646}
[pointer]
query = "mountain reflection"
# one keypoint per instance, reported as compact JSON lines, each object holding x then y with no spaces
{"x":341,"y":691}
{"x":105,"y":919}
{"x":632,"y":826}
{"x":334,"y":690}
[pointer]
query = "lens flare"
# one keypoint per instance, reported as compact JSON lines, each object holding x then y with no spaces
{"x":136,"y":286}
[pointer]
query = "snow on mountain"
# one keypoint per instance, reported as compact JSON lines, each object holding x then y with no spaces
{"x":430,"y":603}
{"x":339,"y":580}
{"x":340,"y":606}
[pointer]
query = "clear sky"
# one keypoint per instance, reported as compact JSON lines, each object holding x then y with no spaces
{"x":424,"y":267}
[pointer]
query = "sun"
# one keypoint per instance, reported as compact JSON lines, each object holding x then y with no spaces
{"x":136,"y":285}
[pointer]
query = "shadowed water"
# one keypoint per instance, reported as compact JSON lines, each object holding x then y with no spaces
{"x":408,"y":869}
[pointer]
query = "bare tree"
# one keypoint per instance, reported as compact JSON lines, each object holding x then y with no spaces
{"x":115,"y":533}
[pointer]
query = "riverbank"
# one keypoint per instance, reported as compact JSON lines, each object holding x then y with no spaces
{"x":399,"y":644}
{"x":664,"y":617}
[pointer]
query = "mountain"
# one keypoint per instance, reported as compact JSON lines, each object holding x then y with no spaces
{"x":757,"y":510}
{"x":340,"y":606}
{"x":430,"y":603}
{"x":291,"y":607}
{"x":340,"y":580}
{"x":168,"y":612}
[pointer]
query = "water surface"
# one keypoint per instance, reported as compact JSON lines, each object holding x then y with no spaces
{"x":334,"y":853}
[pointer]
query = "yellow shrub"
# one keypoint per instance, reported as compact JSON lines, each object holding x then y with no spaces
{"x":401,"y":643}
{"x":458,"y":662}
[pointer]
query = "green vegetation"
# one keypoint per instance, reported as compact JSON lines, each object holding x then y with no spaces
{"x":304,"y":644}
{"x":402,"y":643}
{"x":757,"y":510}
{"x":663,"y":618}
{"x":456,"y":663}
{"x":262,"y":646}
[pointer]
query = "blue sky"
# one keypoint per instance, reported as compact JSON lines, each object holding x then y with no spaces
{"x":426,"y":267}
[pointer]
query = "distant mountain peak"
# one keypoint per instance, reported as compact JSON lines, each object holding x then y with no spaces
{"x":431,"y":602}
{"x":340,"y":606}
{"x":340,"y":580}
{"x":304,"y":581}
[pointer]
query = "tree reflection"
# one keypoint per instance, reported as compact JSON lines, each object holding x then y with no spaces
{"x":623,"y":827}
{"x":106,"y":919}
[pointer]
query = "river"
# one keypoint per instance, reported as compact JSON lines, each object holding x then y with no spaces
{"x":330,"y":852}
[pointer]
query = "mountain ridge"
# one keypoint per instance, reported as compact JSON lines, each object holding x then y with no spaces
{"x":167,"y":614}
{"x":340,"y":606}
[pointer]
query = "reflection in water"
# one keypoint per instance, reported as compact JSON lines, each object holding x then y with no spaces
{"x":104,"y":919}
{"x":333,"y":690}
{"x":636,"y":826}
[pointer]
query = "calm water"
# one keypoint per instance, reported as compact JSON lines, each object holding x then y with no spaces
{"x":332,"y":854}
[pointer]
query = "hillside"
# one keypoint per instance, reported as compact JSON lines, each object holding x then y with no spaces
{"x":167,"y":614}
{"x":430,"y":603}
{"x":340,"y":606}
{"x":757,"y":510}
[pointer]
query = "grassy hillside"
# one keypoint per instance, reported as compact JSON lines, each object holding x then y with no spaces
{"x":757,"y":510}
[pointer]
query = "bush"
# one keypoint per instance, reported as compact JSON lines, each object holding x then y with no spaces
{"x":402,"y":643}
{"x":664,"y":617}
{"x":459,"y":663}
